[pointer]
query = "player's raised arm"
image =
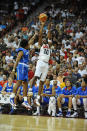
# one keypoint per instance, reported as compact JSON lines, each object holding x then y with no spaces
{"x":49,"y":31}
{"x":31,"y":41}
{"x":41,"y":33}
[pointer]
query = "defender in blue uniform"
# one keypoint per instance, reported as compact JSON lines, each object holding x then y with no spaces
{"x":22,"y":68}
{"x":80,"y":99}
{"x":21,"y":64}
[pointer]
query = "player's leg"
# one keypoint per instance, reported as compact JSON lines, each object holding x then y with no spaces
{"x":44,"y":71}
{"x":40,"y":87}
{"x":15,"y":99}
{"x":41,"y":71}
{"x":25,"y":88}
{"x":85,"y":106}
{"x":15,"y":87}
{"x":37,"y":112}
{"x":37,"y":75}
{"x":33,"y":81}
{"x":43,"y":77}
{"x":74,"y":103}
{"x":69,"y":101}
{"x":52,"y":106}
{"x":38,"y":72}
{"x":20,"y":78}
{"x":41,"y":83}
{"x":44,"y":103}
{"x":60,"y":101}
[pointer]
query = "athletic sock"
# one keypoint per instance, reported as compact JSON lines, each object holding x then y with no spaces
{"x":12,"y":95}
{"x":69,"y":110}
{"x":25,"y":98}
{"x":38,"y":109}
{"x":60,"y":109}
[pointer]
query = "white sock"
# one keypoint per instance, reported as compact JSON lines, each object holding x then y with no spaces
{"x":12,"y":95}
{"x":60,"y":109}
{"x":74,"y":103}
{"x":38,"y":109}
{"x":38,"y":97}
{"x":85,"y":104}
{"x":69,"y":110}
{"x":25,"y":98}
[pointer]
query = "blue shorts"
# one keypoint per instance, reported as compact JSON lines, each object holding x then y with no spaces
{"x":81,"y":100}
{"x":66,"y":102}
{"x":45,"y":100}
{"x":22,"y":72}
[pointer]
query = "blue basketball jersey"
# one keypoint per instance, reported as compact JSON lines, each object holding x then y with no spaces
{"x":45,"y":99}
{"x":81,"y":92}
{"x":21,"y":90}
{"x":47,"y":90}
{"x":57,"y":91}
{"x":35,"y":90}
{"x":0,"y":88}
{"x":65,"y":91}
{"x":9,"y":88}
{"x":22,"y":68}
{"x":25,"y":57}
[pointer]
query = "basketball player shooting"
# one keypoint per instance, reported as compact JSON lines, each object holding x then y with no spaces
{"x":43,"y":60}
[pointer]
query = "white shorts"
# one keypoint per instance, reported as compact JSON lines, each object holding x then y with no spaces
{"x":41,"y":70}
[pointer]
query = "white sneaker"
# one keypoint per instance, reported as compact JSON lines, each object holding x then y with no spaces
{"x":74,"y":115}
{"x":49,"y":112}
{"x":53,"y":114}
{"x":36,"y":114}
{"x":60,"y":114}
{"x":85,"y":115}
{"x":26,"y":105}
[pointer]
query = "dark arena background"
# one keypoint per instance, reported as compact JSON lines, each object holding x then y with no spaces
{"x":54,"y":35}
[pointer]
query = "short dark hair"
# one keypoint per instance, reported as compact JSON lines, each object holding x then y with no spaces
{"x":24,"y":43}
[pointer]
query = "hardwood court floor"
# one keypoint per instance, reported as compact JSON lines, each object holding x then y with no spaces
{"x":39,"y":123}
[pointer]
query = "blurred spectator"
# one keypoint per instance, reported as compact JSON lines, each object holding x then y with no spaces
{"x":31,"y":71}
{"x":60,"y":77}
{"x":82,"y":71}
{"x":9,"y":59}
{"x":2,"y":82}
{"x":8,"y":87}
{"x":1,"y":74}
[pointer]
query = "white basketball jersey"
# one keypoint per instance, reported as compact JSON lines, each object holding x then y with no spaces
{"x":44,"y":54}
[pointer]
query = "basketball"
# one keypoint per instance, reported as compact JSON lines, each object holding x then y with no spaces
{"x":42,"y":17}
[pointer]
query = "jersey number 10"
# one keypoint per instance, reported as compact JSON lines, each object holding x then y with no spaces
{"x":46,"y":51}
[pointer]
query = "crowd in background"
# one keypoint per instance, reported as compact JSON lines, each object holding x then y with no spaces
{"x":69,"y":44}
{"x":14,"y":13}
